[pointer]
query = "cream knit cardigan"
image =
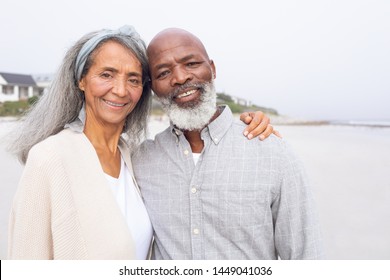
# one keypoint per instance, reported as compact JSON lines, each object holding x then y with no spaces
{"x":63,"y":208}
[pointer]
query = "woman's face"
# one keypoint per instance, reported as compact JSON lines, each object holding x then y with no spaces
{"x":112,"y":86}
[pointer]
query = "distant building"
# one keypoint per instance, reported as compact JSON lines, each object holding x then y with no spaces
{"x":43,"y":80}
{"x":241,"y":101}
{"x":15,"y":87}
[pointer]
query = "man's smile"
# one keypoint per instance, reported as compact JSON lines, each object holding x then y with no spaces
{"x":187,"y":93}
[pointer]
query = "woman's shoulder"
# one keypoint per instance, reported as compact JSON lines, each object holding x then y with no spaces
{"x":59,"y":139}
{"x":60,"y":143}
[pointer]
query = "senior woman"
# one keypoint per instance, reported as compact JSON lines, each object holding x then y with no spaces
{"x":77,"y":198}
{"x":78,"y":169}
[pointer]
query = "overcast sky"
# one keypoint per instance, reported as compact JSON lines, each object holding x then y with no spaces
{"x":314,"y":59}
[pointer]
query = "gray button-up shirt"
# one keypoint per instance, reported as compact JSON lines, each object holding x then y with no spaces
{"x":242,"y":200}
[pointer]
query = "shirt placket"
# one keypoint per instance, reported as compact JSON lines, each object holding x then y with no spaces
{"x":194,"y":189}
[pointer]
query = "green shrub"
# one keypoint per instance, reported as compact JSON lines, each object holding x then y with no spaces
{"x":32,"y":100}
{"x":13,"y":108}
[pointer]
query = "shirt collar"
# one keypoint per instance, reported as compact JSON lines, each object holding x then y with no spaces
{"x":216,"y":129}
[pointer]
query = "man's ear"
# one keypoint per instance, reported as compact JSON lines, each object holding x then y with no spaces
{"x":213,"y":68}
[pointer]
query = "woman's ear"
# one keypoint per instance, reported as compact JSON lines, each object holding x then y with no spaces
{"x":81,"y":85}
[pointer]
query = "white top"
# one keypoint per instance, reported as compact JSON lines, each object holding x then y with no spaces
{"x":133,"y":209}
{"x":196,"y":157}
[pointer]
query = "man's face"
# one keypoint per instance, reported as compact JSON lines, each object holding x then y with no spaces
{"x":180,"y":68}
{"x":182,"y":78}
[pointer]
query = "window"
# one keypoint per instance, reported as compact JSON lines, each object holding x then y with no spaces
{"x":8,"y":90}
{"x":23,"y":93}
{"x":36,"y":91}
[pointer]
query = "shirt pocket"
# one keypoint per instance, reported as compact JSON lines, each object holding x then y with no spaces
{"x":242,"y":207}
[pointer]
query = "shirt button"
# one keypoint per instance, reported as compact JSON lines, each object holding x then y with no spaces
{"x":196,"y":231}
{"x":193,"y":190}
{"x":186,"y":152}
{"x":216,"y":139}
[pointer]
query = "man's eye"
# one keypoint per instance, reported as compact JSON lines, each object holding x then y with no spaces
{"x":191,"y":64}
{"x":163,"y":74}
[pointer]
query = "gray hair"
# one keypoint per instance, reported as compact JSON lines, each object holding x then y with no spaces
{"x":63,"y":100}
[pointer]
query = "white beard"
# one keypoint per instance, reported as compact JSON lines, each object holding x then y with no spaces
{"x":194,"y":117}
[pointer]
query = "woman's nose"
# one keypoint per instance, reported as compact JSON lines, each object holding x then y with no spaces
{"x":120,"y":87}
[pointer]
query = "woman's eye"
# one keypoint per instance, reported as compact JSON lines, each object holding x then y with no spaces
{"x":135,"y":82}
{"x":105,"y":75}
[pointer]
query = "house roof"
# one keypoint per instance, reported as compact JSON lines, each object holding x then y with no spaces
{"x":18,"y":79}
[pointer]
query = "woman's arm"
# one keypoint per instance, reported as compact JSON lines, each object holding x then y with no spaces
{"x":29,"y":234}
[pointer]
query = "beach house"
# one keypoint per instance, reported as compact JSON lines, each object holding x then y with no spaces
{"x":241,"y":101}
{"x":15,"y":87}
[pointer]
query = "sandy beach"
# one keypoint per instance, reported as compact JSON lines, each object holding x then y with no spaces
{"x":349,"y":168}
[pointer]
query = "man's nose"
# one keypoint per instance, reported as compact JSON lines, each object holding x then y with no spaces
{"x":180,"y":76}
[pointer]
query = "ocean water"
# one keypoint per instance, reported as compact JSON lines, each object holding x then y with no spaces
{"x":10,"y":172}
{"x":369,"y":123}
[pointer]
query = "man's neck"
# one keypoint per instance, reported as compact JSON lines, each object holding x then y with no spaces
{"x":193,"y":136}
